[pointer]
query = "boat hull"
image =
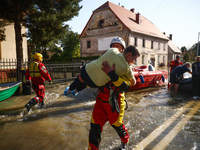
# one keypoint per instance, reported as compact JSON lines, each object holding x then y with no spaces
{"x":151,"y":78}
{"x":8,"y":89}
{"x":186,"y":86}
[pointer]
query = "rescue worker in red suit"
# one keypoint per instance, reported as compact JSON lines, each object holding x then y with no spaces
{"x":175,"y":63}
{"x":110,"y":104}
{"x":37,"y":73}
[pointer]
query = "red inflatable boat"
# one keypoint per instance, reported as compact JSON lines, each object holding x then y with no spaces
{"x":146,"y":78}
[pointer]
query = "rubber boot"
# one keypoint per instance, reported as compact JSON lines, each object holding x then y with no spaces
{"x":30,"y":104}
{"x":123,"y":146}
{"x":41,"y":104}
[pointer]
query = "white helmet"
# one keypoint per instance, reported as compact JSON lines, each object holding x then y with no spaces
{"x":119,"y":41}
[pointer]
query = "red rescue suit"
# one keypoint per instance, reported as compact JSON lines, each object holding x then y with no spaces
{"x":38,"y":73}
{"x":175,"y":63}
{"x":103,"y":112}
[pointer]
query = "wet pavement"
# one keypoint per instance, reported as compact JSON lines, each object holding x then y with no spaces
{"x":156,"y":119}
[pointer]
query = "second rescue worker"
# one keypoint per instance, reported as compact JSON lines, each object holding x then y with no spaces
{"x":37,"y":73}
{"x":175,"y":63}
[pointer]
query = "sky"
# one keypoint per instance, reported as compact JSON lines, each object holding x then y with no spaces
{"x":181,"y":18}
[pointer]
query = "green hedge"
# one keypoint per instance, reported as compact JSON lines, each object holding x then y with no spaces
{"x":72,"y":59}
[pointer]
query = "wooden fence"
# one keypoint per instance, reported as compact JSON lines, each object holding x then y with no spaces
{"x":58,"y":72}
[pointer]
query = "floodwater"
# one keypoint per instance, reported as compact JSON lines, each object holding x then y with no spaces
{"x":156,"y":119}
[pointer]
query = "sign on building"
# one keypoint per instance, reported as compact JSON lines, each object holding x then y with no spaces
{"x":104,"y":43}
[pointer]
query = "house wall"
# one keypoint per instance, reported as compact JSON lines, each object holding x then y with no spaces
{"x":8,"y":47}
{"x":113,"y":27}
{"x":148,"y":54}
{"x":172,"y":55}
{"x":93,"y":32}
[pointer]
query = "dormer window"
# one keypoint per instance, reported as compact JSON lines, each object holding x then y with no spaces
{"x":101,"y":22}
{"x":115,"y":23}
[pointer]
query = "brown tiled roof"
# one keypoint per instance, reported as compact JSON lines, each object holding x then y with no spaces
{"x":173,"y":47}
{"x":128,"y":19}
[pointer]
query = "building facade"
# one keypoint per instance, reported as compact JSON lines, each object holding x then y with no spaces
{"x":110,"y":20}
{"x":8,"y":46}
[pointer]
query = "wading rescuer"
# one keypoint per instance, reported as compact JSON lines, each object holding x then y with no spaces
{"x":110,"y":104}
{"x":176,"y":75}
{"x":175,"y":63}
{"x":37,"y":74}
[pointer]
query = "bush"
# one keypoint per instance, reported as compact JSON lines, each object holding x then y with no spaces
{"x":58,"y":59}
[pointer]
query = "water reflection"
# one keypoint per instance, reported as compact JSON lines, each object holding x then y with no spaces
{"x":65,"y":121}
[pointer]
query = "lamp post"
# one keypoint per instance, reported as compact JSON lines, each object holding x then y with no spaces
{"x":198,"y":45}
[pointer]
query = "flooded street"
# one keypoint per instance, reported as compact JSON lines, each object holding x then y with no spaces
{"x":156,"y":119}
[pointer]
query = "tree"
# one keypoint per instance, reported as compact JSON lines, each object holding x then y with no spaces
{"x":43,"y":18}
{"x":183,"y":49}
{"x":190,"y":54}
{"x":70,"y":44}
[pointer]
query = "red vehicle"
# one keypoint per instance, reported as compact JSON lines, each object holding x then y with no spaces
{"x":146,"y":78}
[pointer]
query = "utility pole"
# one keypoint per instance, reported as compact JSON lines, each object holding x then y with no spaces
{"x":198,"y":45}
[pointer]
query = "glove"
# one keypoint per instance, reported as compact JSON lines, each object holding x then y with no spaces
{"x":50,"y":83}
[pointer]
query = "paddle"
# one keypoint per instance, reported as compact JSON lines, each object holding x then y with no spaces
{"x":142,"y":79}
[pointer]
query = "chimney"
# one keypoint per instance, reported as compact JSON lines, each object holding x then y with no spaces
{"x":138,"y":18}
{"x":132,"y":10}
{"x":170,"y":37}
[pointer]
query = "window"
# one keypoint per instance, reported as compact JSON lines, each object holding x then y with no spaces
{"x":158,"y":46}
{"x":158,"y":60}
{"x":101,"y":22}
{"x":164,"y":46}
{"x":151,"y":44}
{"x":143,"y":59}
{"x":88,"y":44}
{"x":163,"y":59}
{"x":135,"y":41}
{"x":143,"y":43}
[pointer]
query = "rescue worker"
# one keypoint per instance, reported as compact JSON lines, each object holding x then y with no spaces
{"x":176,"y":75}
{"x":110,"y":104}
{"x":118,"y":43}
{"x":174,"y":63}
{"x":37,"y":74}
{"x":196,"y":78}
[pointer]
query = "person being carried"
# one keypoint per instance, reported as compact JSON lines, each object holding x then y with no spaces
{"x":196,"y":78}
{"x":175,"y":63}
{"x":93,"y":76}
{"x":37,"y":74}
{"x":176,"y":75}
